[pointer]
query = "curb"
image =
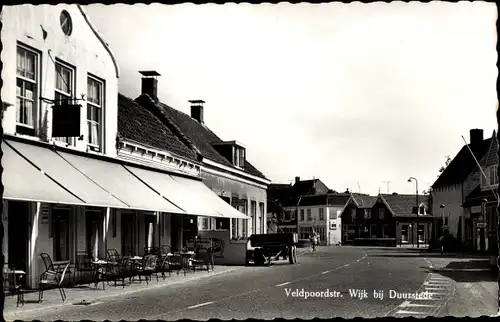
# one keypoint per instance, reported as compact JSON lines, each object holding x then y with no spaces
{"x":98,"y":299}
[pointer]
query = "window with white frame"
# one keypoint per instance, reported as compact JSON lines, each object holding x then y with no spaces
{"x":493,"y":176}
{"x":404,"y":233}
{"x":27,"y":77}
{"x":239,"y":156}
{"x":262,"y":217}
{"x":95,"y":101}
{"x":321,"y":213}
{"x":333,"y":214}
{"x":292,"y":215}
{"x":309,"y":215}
{"x":65,"y":82}
{"x":421,"y":233}
{"x":205,"y":223}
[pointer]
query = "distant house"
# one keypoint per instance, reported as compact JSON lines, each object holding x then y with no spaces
{"x":225,"y":166}
{"x":483,"y":200}
{"x":321,"y":213}
{"x":460,"y":178}
{"x":283,"y":200}
{"x":388,"y":220}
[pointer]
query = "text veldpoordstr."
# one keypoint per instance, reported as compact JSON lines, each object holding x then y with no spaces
{"x":359,"y":294}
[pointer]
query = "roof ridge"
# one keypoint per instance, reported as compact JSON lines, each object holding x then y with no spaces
{"x":184,"y":139}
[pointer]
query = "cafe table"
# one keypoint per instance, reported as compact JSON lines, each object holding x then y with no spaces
{"x":18,"y":279}
{"x":187,"y":259}
{"x":99,"y":266}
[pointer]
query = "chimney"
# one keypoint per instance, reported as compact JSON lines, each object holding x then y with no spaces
{"x":476,"y":135}
{"x":197,"y":110}
{"x":297,"y":179}
{"x":149,"y":84}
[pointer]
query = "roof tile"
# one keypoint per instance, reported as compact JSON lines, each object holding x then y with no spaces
{"x":137,"y":124}
{"x":195,"y":135}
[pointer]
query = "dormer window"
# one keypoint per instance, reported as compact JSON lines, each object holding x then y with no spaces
{"x":239,"y":156}
{"x":422,"y":210}
{"x":233,"y":151}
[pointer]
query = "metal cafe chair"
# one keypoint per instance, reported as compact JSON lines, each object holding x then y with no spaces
{"x":165,"y":249}
{"x":151,"y":251}
{"x":83,"y":264}
{"x":164,"y":266}
{"x":51,"y":267}
{"x":58,"y":280}
{"x":203,"y":259}
{"x":148,"y":267}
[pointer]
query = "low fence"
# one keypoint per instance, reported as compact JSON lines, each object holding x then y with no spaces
{"x":385,"y":242}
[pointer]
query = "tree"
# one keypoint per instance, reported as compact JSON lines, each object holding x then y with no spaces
{"x":441,"y":170}
{"x":446,"y":164}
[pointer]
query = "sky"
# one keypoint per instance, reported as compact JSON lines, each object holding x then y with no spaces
{"x":353,"y":94}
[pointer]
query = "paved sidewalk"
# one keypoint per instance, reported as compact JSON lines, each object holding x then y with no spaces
{"x":476,"y":288}
{"x":85,"y":295}
{"x":88,"y":295}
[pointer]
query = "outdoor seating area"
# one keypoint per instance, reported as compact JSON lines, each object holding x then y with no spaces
{"x":113,"y":271}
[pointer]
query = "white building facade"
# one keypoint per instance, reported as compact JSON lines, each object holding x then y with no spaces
{"x":51,"y":54}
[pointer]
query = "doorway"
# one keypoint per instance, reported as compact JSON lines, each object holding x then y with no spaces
{"x":61,"y":233}
{"x":93,"y":222}
{"x":18,"y":234}
{"x":128,"y":232}
{"x":176,"y":232}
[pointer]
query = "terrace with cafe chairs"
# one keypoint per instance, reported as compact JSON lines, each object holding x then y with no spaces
{"x":91,"y":274}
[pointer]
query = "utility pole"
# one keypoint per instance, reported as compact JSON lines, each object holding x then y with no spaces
{"x":387,"y":183}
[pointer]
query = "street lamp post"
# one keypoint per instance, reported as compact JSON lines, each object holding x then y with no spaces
{"x":416,"y":186}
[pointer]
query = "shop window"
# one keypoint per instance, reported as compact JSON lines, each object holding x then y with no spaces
{"x":205,"y":223}
{"x":405,"y":233}
{"x":421,"y":233}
